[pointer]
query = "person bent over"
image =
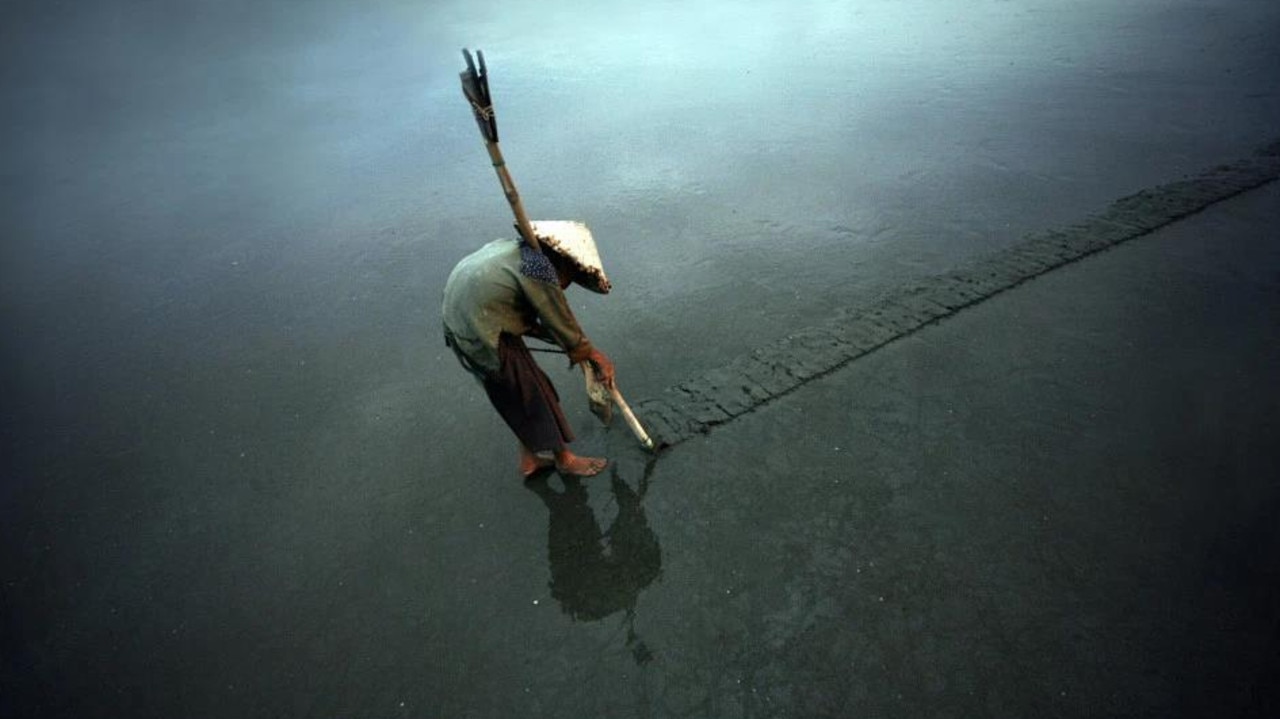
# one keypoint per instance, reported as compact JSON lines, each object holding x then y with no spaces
{"x":505,"y":291}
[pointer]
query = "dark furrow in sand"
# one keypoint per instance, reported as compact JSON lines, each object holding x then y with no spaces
{"x":719,"y":395}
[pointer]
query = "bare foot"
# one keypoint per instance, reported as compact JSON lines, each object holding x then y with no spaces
{"x":569,"y":463}
{"x":531,"y":464}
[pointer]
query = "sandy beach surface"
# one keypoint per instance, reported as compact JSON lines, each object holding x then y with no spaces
{"x":243,"y":476}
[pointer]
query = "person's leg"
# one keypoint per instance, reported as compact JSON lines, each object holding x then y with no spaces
{"x":525,"y":398}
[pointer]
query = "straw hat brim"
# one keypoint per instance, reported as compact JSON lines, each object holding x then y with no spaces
{"x":573,"y":241}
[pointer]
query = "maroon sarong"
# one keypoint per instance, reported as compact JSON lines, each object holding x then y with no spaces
{"x":525,"y":398}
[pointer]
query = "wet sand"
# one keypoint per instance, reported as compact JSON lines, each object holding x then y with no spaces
{"x":243,"y":477}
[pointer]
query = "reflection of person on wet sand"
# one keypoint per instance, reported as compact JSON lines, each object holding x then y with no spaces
{"x":596,"y":573}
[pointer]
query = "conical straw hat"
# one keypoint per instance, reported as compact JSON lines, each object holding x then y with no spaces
{"x":573,"y":241}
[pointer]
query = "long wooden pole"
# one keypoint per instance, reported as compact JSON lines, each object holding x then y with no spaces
{"x":475,"y":86}
{"x":513,"y":196}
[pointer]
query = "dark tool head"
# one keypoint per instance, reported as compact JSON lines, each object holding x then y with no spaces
{"x":475,"y":86}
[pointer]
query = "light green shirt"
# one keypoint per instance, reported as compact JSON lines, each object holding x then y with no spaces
{"x":487,"y":294}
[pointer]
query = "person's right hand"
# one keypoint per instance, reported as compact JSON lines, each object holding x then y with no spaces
{"x":603,"y":366}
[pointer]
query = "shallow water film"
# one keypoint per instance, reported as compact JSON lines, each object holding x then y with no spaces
{"x":244,"y":477}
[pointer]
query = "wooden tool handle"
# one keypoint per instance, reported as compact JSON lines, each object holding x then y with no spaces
{"x":630,"y":416}
{"x":475,"y":87}
{"x":513,"y":196}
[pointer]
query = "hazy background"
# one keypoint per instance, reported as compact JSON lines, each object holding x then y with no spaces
{"x":225,"y":226}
